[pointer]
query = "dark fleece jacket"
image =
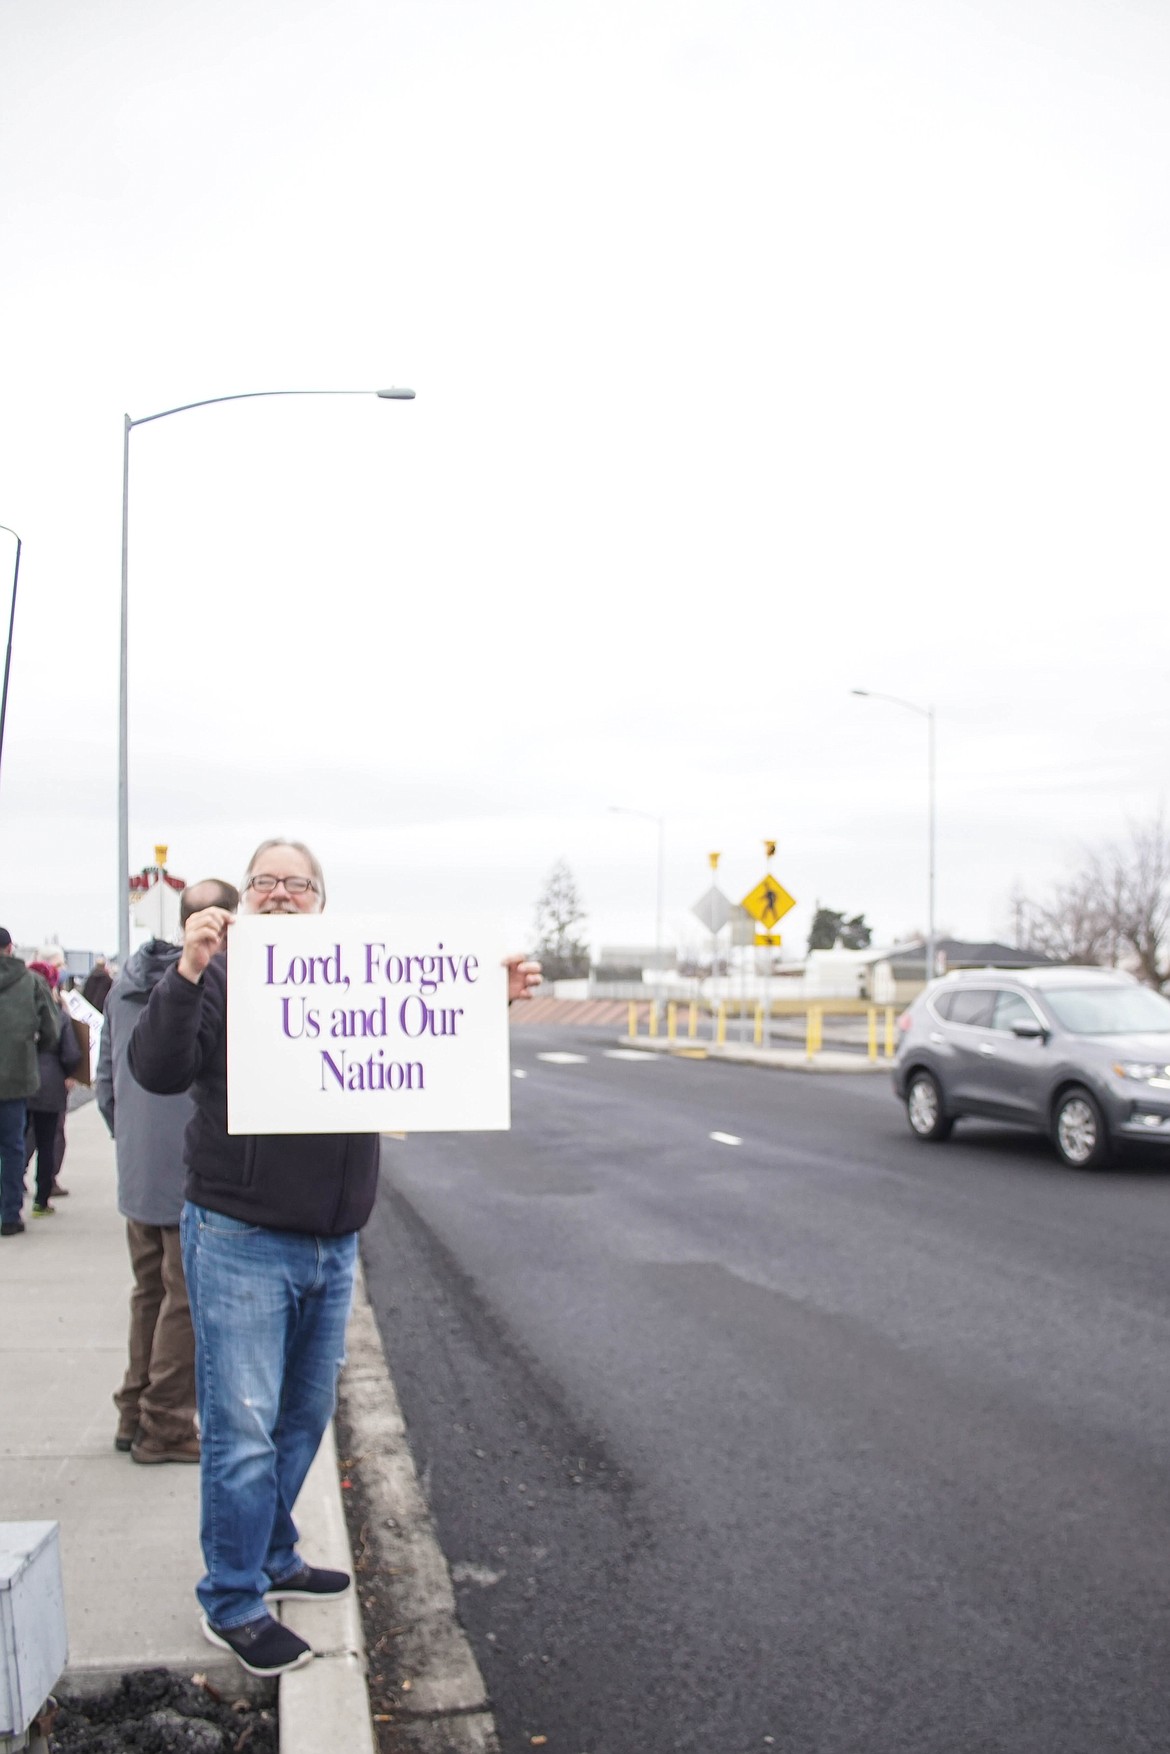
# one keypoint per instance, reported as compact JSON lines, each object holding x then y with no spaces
{"x":321,"y":1183}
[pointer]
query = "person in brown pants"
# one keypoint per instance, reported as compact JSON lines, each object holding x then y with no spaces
{"x":156,"y":1400}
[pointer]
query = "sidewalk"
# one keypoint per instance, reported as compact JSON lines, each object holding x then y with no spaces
{"x":130,"y":1534}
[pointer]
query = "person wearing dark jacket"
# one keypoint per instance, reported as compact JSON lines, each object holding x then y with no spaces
{"x":96,"y":987}
{"x":29,"y":1021}
{"x":47,"y":1104}
{"x":269,"y":1234}
{"x":156,"y":1401}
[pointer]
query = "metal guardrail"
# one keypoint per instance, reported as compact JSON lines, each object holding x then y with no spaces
{"x":814,"y":1015}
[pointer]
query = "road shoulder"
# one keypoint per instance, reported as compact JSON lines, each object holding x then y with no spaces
{"x":440,"y":1703}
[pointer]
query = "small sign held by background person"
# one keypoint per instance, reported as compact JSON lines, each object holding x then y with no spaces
{"x":87,"y":1021}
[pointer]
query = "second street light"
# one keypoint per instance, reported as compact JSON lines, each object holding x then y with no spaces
{"x":8,"y":648}
{"x":927,"y":713}
{"x":392,"y":395}
{"x":648,"y":816}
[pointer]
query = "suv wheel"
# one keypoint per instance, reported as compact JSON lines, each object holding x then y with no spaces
{"x":1079,"y":1132}
{"x":924,"y":1107}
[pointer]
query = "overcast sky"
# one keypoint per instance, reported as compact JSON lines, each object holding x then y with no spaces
{"x":763,"y":350}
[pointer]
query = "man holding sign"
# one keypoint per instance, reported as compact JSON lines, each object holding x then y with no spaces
{"x":269,"y":1235}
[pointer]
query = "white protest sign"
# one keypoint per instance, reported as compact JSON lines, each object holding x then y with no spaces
{"x":355,"y":1023}
{"x":84,"y":1012}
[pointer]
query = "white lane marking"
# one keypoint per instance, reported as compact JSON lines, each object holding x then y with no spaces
{"x":725,"y":1138}
{"x":564,"y":1059}
{"x":518,"y":1073}
{"x":630,"y":1054}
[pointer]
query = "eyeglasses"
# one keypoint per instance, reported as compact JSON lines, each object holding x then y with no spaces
{"x":292,"y":885}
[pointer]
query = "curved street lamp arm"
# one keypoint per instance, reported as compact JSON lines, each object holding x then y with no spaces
{"x":911,"y":706}
{"x":250,"y":395}
{"x":123,"y":916}
{"x":625,"y":810}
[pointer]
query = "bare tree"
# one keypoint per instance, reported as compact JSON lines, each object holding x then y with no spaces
{"x":1071,"y":925}
{"x":1117,"y":906}
{"x":1135,"y":877}
{"x":563,"y":956}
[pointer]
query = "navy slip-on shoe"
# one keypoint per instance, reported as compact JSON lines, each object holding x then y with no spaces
{"x":312,"y":1583}
{"x":264,"y":1646}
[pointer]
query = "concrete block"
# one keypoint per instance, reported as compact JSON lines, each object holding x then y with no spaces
{"x":33,"y":1643}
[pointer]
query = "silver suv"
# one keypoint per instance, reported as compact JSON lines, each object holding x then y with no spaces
{"x":1082,"y":1054}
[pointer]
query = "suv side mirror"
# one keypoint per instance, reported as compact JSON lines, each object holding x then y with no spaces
{"x":1029,"y":1030}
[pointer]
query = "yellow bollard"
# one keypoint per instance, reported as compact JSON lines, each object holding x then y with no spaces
{"x":721,"y":1025}
{"x":671,"y":1019}
{"x":872,"y":1015}
{"x":693,"y":1029}
{"x":889,"y":1032}
{"x":759,"y":1031}
{"x":633,"y":1018}
{"x":654,"y":1017}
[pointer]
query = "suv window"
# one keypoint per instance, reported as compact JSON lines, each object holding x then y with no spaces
{"x":973,"y":1005}
{"x":941,"y":1004}
{"x":1011,"y":1008}
{"x":1110,"y":1010}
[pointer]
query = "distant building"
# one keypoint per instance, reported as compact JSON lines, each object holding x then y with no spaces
{"x":626,"y":961}
{"x":894,"y":973}
{"x":78,"y":963}
{"x":908,"y":961}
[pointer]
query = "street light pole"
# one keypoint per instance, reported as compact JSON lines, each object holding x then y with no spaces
{"x":8,"y":648}
{"x":927,"y":713}
{"x":648,"y":816}
{"x":392,"y":395}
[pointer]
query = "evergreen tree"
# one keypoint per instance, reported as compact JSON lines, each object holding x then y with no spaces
{"x":828,"y":928}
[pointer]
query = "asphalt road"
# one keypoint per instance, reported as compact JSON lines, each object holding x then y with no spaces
{"x":826,"y":1440}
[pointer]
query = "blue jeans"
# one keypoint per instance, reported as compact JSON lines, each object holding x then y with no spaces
{"x":269,"y":1308}
{"x":12,"y":1124}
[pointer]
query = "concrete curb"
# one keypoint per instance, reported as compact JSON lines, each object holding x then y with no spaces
{"x":327,"y":1703}
{"x":773,"y":1059}
{"x":447,"y":1709}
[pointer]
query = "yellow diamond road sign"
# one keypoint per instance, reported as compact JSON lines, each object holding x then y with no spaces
{"x":768,"y":902}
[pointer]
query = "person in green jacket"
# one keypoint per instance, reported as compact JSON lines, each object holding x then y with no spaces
{"x":28,"y":1021}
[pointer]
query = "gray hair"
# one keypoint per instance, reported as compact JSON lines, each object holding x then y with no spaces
{"x":298,"y":846}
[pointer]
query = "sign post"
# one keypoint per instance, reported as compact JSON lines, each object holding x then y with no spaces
{"x":768,"y":902}
{"x":714,"y":911}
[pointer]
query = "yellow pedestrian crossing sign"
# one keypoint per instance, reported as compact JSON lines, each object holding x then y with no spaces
{"x":768,"y":902}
